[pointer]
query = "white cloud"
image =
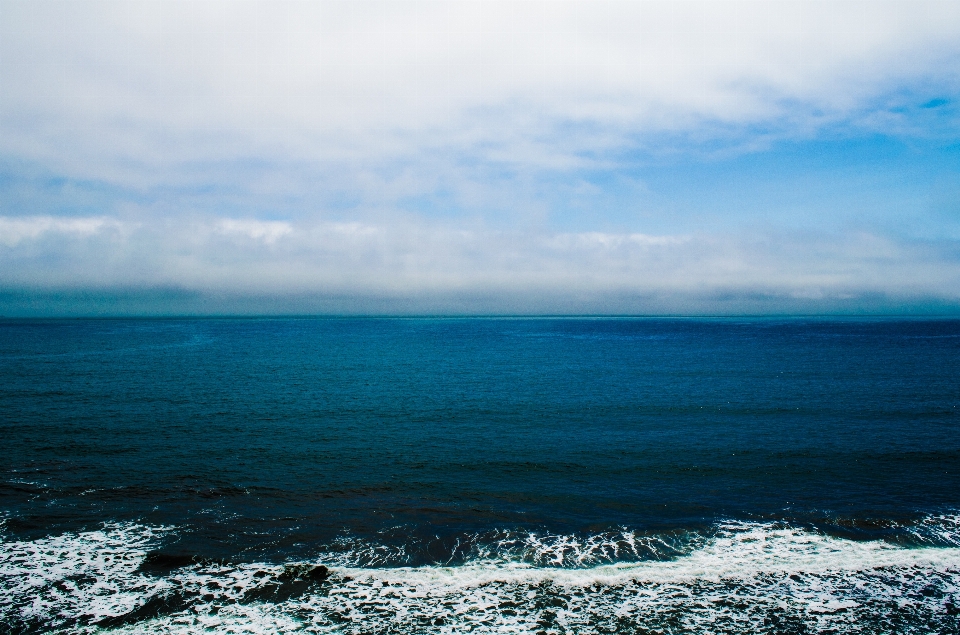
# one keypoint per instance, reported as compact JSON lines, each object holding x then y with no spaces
{"x":266,"y":231}
{"x":412,"y":259}
{"x":396,"y":147}
{"x":14,"y":230}
{"x":128,"y":90}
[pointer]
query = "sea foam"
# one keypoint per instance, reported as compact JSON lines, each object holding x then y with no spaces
{"x":738,"y":577}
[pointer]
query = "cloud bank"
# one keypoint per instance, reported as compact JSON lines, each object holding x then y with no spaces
{"x":479,"y":156}
{"x":255,"y":267}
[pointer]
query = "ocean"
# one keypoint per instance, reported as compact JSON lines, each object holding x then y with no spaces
{"x":481,"y":475}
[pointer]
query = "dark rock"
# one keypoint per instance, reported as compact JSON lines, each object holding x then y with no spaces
{"x":160,"y":561}
{"x":154,"y":607}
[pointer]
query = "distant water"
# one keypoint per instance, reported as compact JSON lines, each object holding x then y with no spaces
{"x":480,"y":475}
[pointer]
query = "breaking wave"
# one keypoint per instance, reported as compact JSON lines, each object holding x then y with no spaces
{"x":738,"y":577}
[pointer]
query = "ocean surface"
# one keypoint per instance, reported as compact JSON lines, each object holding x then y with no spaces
{"x":480,"y":475}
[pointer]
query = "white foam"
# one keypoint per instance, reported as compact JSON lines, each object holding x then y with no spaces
{"x":939,"y":530}
{"x":531,"y":547}
{"x":62,"y":579}
{"x":744,"y":577}
{"x":738,"y":551}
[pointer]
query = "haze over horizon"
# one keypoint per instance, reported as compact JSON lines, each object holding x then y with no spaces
{"x":479,"y":157}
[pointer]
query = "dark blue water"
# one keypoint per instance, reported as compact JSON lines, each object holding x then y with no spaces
{"x":384,"y":443}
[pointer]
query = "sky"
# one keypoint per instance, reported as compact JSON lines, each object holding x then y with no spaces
{"x":479,"y":157}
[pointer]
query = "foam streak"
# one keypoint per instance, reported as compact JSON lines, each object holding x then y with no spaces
{"x":742,"y":577}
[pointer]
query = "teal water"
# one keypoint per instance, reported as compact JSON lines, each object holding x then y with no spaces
{"x":795,"y":475}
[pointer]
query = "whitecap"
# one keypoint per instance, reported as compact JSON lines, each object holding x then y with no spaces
{"x":739,"y":577}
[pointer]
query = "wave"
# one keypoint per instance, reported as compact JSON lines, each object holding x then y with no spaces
{"x":529,"y":547}
{"x":737,"y":577}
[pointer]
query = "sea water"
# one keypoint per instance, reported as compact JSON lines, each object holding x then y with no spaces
{"x":484,"y":475}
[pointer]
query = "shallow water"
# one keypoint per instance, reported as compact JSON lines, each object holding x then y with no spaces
{"x":492,"y":475}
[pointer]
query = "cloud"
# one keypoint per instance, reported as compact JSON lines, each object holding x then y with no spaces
{"x":266,"y":231}
{"x":14,"y":230}
{"x":417,"y":260}
{"x":136,"y":91}
{"x":473,"y":149}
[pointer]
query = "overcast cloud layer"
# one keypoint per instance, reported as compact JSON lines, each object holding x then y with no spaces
{"x":479,"y":157}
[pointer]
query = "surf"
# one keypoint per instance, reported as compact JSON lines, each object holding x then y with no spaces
{"x":737,"y":577}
